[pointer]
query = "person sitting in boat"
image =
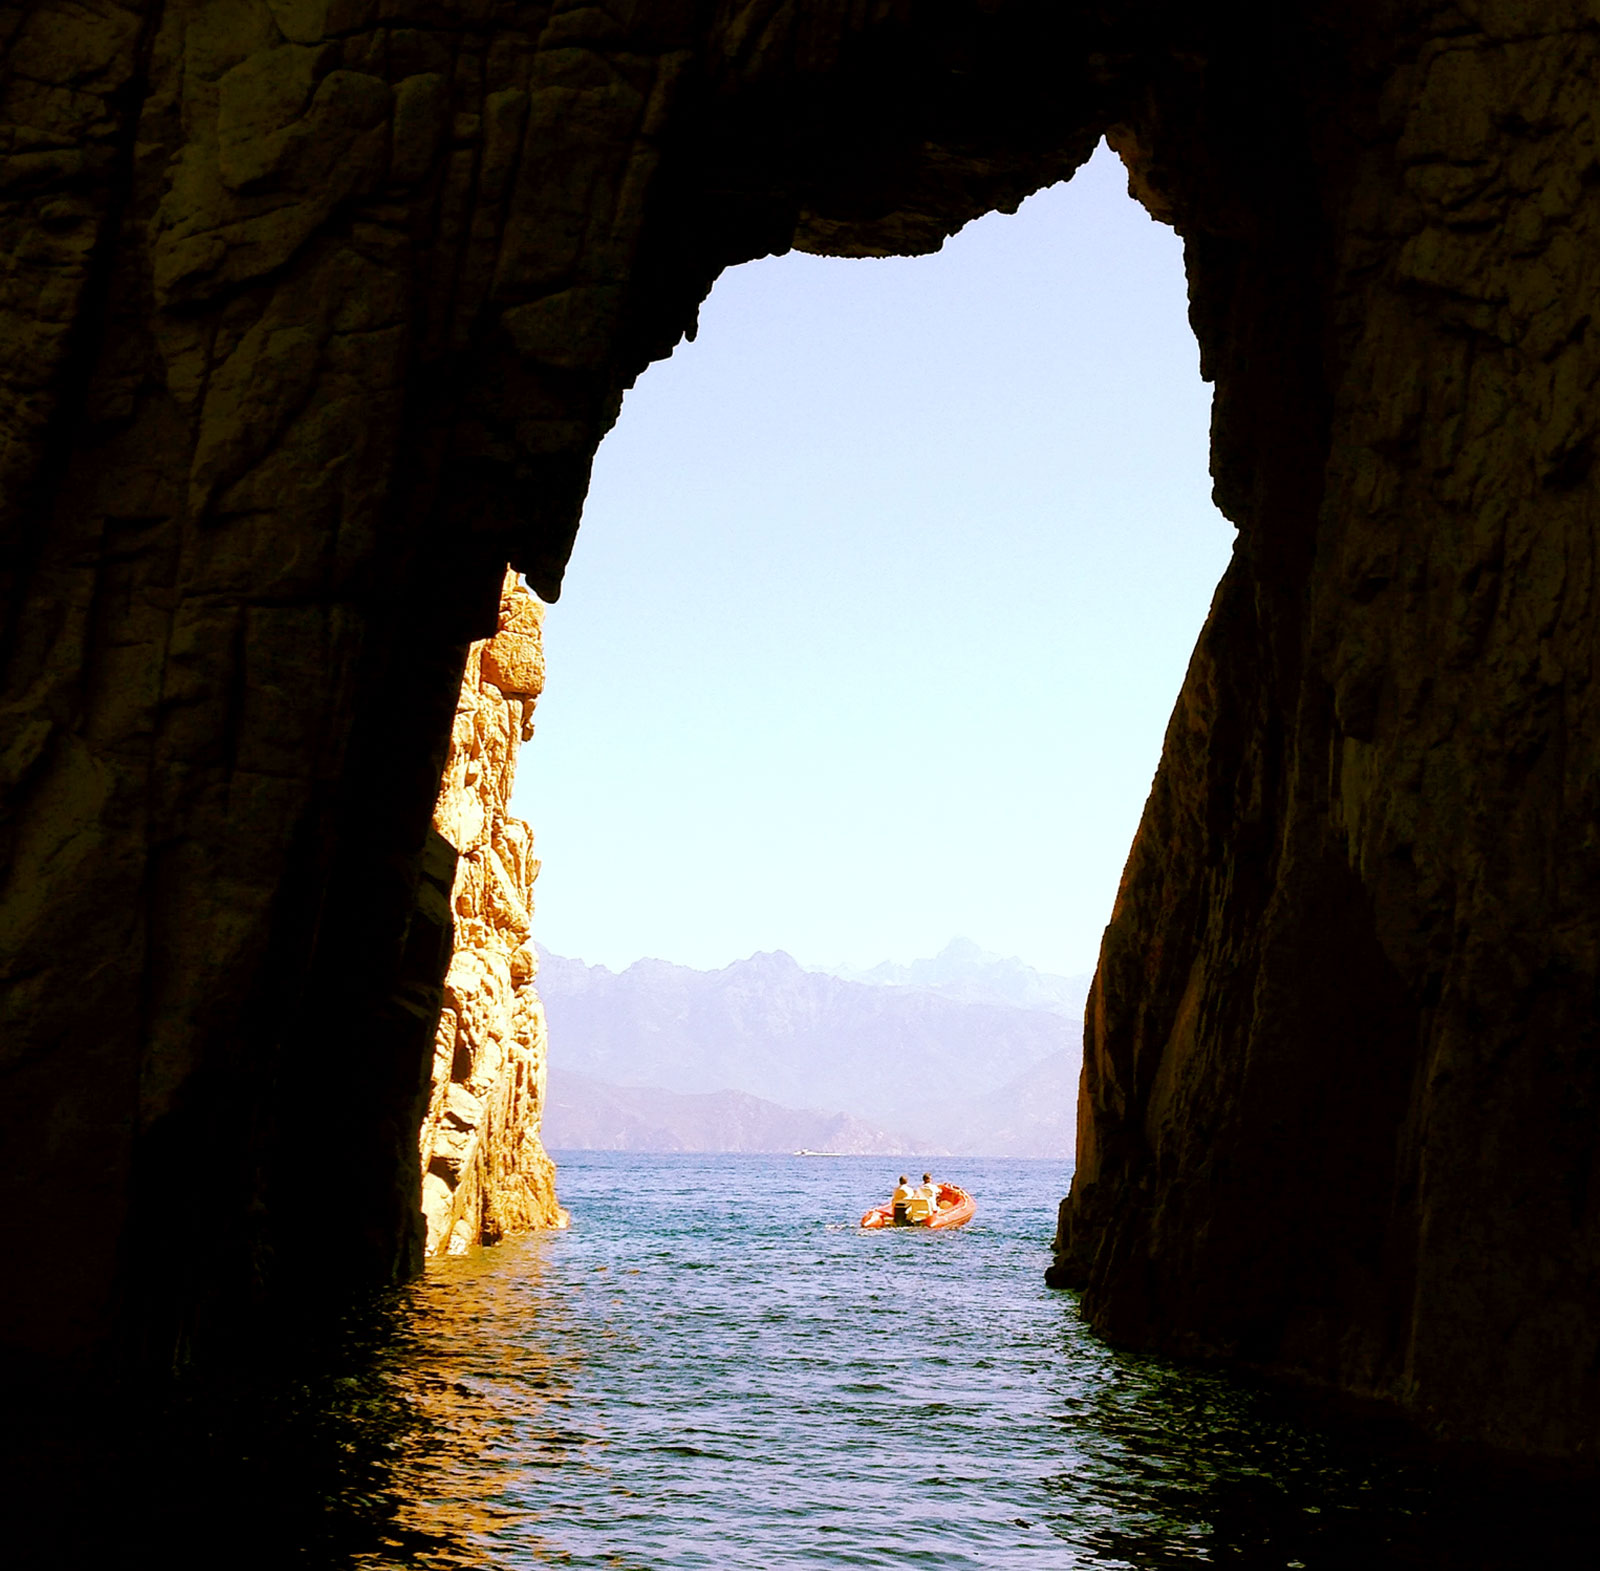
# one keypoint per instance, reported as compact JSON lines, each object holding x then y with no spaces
{"x":924,"y":1201}
{"x":901,"y":1200}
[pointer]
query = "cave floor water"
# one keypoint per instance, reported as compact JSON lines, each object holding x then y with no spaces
{"x":716,"y":1368}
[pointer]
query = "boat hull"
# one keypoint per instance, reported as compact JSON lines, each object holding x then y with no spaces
{"x":956,"y":1209}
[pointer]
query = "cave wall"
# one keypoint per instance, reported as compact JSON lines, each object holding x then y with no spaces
{"x":315,"y":311}
{"x":485,"y":1173}
{"x":1340,"y":1102}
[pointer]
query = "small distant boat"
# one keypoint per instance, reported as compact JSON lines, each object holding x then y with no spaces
{"x":955,"y":1209}
{"x":804,"y":1152}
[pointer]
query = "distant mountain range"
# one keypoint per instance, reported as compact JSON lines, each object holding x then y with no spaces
{"x":977,"y":976}
{"x":1034,"y":1115}
{"x":585,"y":1114}
{"x":751,"y":1052}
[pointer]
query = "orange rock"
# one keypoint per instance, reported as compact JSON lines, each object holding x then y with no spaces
{"x":514,"y":662}
{"x":485,"y":1172}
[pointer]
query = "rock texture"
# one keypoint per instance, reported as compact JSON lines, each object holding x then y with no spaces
{"x":313,"y":314}
{"x":485,"y":1174}
{"x":1342,"y":1085}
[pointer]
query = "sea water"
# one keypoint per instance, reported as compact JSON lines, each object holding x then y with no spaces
{"x":715,"y":1367}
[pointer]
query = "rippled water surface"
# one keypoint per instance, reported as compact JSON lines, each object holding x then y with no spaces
{"x":716,"y":1368}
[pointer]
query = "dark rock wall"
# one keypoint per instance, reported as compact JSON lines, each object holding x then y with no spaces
{"x":1342,"y":1083}
{"x":314,"y":312}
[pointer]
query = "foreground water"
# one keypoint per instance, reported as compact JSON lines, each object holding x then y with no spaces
{"x":716,"y":1368}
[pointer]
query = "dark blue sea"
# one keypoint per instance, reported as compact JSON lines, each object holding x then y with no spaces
{"x":716,"y":1368}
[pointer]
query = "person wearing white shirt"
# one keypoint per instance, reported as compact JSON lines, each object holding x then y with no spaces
{"x":924,"y":1201}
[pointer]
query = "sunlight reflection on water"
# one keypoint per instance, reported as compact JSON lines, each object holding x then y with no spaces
{"x":712,"y":1369}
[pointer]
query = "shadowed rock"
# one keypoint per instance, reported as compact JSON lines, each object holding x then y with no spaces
{"x":314,"y":313}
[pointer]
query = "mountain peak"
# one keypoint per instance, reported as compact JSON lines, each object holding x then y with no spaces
{"x":964,"y":970}
{"x":769,"y":962}
{"x":963,"y":950}
{"x":898,"y":1057}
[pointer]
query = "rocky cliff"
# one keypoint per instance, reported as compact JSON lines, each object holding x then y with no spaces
{"x":1342,"y":1061}
{"x":485,"y":1174}
{"x":313,"y":313}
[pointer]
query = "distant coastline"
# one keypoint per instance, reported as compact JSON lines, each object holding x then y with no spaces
{"x":948,"y":1056}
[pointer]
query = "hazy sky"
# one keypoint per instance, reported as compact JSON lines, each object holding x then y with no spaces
{"x":884,"y":591}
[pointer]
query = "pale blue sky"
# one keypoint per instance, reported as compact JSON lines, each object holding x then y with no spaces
{"x":884,"y":591}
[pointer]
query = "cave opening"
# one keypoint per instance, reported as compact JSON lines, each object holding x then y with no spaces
{"x":319,"y":320}
{"x":897,"y":566}
{"x":885,"y":589}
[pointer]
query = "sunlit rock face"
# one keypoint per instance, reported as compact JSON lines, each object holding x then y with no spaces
{"x":485,"y":1174}
{"x":315,"y":311}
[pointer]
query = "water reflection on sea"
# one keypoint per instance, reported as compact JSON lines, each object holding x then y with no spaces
{"x":715,"y":1369}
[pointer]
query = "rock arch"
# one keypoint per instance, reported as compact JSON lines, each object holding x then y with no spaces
{"x":315,"y":312}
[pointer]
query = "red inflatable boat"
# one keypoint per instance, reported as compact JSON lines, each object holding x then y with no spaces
{"x":956,"y":1209}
